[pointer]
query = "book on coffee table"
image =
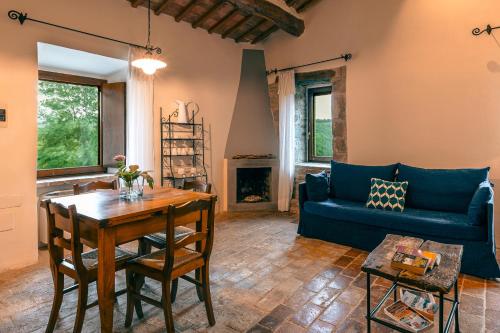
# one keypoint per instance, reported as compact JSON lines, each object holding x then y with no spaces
{"x":414,"y":260}
{"x":407,"y":317}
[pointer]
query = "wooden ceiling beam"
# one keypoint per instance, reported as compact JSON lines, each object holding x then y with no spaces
{"x":200,"y":20}
{"x":250,"y":31}
{"x":264,"y":35}
{"x":236,"y":26}
{"x":136,"y":3}
{"x":305,"y":5}
{"x":223,"y":20}
{"x":271,"y":12}
{"x":161,"y":7}
{"x":185,"y":10}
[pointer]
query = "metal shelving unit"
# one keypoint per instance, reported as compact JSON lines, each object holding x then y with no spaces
{"x":182,"y":152}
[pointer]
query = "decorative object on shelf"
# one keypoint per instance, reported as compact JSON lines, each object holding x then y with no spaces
{"x":489,"y":29}
{"x":149,"y":63}
{"x":183,"y":146}
{"x":184,"y":112}
{"x":346,"y":57}
{"x":129,"y":176}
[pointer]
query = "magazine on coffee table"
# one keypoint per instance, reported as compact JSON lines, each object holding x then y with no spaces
{"x":407,"y":317}
{"x":420,"y":301}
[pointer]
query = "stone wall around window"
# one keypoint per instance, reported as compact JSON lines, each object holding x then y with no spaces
{"x":337,"y":78}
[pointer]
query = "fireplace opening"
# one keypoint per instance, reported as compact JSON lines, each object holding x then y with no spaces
{"x":253,"y":185}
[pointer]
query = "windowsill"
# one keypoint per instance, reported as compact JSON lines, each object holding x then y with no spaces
{"x":319,"y":165}
{"x":74,"y":179}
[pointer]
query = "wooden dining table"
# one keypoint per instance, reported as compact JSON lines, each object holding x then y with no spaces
{"x":106,"y":221}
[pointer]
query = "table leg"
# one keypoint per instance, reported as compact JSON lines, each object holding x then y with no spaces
{"x":368,"y":310}
{"x":457,"y":327}
{"x":441,"y":310}
{"x":106,"y":277}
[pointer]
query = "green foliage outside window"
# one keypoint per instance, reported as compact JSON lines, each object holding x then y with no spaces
{"x":323,"y":137}
{"x":68,"y":125}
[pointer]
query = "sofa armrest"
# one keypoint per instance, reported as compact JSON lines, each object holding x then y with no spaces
{"x":490,"y":208}
{"x":302,"y":194}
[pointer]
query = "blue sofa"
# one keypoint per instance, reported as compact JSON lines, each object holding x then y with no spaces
{"x":441,"y":205}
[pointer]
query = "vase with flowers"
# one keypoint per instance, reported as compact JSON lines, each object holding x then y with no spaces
{"x":131,"y":176}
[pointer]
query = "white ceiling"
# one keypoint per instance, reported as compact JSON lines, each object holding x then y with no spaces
{"x":58,"y":58}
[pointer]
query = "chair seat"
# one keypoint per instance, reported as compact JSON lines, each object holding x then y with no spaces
{"x":179,"y":233}
{"x":156,"y":260}
{"x":90,"y":258}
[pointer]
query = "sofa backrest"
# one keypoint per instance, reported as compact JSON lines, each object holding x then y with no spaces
{"x":448,"y":190}
{"x":352,"y":182}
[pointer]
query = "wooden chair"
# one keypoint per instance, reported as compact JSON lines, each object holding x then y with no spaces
{"x":197,"y":186}
{"x":176,"y":260}
{"x":92,"y":186}
{"x":80,"y":266}
{"x":159,"y":241}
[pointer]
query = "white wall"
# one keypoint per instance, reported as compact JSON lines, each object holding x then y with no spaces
{"x":420,"y":88}
{"x":202,"y":68}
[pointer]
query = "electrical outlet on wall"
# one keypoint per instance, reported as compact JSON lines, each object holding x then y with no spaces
{"x":3,"y":115}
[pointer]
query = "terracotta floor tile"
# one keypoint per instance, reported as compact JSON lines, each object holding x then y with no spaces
{"x":259,"y":329}
{"x":352,"y":295}
{"x":288,"y":327}
{"x":307,"y":314}
{"x":331,"y":272}
{"x":321,"y":327}
{"x":325,"y":296}
{"x":317,"y":283}
{"x":353,"y":252}
{"x":343,"y":261}
{"x":336,"y":313}
{"x":340,"y":282}
{"x":276,"y":317}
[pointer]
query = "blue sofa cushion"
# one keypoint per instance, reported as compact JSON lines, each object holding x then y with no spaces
{"x":414,"y":221}
{"x":352,"y":182}
{"x":317,"y":186}
{"x":478,"y":204}
{"x":387,"y":195}
{"x":448,"y":190}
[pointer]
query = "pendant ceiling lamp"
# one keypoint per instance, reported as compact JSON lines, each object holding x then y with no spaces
{"x":149,"y":63}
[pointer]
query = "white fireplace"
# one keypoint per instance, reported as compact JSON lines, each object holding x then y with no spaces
{"x":250,"y":184}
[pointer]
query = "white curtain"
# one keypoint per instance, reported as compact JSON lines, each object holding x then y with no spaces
{"x":140,"y":118}
{"x":286,"y":92}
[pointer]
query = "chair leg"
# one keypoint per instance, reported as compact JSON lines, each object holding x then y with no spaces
{"x":206,"y":294}
{"x":199,"y":290}
{"x":173,"y":292}
{"x":138,"y":283}
{"x":83,"y":289}
{"x":56,"y":303}
{"x":167,"y":307}
{"x":130,"y":298}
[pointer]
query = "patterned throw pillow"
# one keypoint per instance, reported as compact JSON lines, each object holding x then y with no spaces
{"x":387,"y":195}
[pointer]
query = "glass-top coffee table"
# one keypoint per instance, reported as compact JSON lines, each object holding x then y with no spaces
{"x":439,"y":281}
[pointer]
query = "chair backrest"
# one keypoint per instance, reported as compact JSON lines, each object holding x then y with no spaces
{"x":57,"y":216}
{"x":197,"y":186}
{"x":200,"y":212}
{"x":92,"y":186}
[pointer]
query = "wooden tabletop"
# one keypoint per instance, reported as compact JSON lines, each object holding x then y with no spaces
{"x":440,"y":279}
{"x":107,"y":208}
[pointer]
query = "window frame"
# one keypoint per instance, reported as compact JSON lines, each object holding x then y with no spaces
{"x":311,"y":93}
{"x":84,"y":81}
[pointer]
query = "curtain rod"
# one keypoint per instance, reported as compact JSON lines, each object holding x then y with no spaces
{"x":346,"y":57}
{"x":21,"y":17}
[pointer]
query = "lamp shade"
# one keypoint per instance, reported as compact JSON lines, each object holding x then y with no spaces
{"x":148,"y":64}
